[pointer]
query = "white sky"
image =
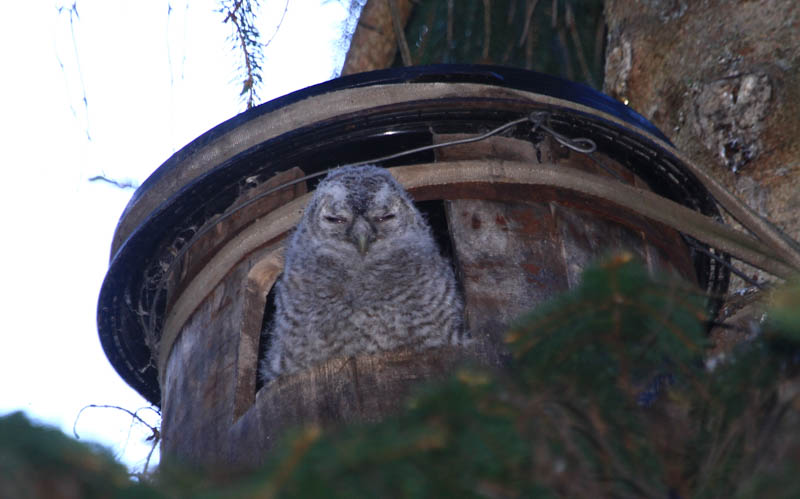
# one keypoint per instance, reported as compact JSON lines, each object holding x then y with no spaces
{"x":153,"y":81}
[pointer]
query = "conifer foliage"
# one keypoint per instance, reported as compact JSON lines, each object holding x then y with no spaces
{"x":607,"y":395}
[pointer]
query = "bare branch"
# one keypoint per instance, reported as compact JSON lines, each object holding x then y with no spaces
{"x":155,"y":436}
{"x":487,"y":28}
{"x":127,"y":184}
{"x":280,"y":23}
{"x":402,"y":44}
{"x":73,"y":16}
{"x":576,"y":39}
{"x":531,"y":6}
{"x":450,"y":8}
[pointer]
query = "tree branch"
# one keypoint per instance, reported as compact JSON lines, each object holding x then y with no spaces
{"x":127,"y":184}
{"x":399,"y":32}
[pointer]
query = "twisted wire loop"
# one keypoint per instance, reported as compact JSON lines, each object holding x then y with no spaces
{"x":541,"y":119}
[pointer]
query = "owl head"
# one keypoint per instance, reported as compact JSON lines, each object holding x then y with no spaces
{"x":361,"y":209}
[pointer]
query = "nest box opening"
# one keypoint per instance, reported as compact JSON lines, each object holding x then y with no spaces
{"x":265,"y":339}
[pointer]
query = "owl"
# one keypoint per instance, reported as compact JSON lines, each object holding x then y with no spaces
{"x":362,"y":274}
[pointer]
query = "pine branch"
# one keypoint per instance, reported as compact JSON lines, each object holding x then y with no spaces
{"x":246,"y":39}
{"x":564,"y":421}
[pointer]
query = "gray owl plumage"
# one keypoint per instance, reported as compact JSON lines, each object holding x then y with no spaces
{"x":362,"y":274}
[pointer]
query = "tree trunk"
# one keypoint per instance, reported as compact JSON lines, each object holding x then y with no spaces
{"x":558,"y":38}
{"x":722,"y":80}
{"x":374,"y":43}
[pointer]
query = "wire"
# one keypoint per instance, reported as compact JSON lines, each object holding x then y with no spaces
{"x":536,"y":119}
{"x":725,"y":264}
{"x":539,"y":120}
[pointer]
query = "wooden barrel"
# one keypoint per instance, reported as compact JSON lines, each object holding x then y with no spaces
{"x":520,"y":214}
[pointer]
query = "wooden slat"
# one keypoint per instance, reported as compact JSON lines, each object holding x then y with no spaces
{"x":477,"y":174}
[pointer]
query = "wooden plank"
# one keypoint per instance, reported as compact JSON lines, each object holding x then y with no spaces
{"x":210,"y":361}
{"x":338,"y":391}
{"x":207,"y":245}
{"x":518,"y":246}
{"x":259,"y":281}
{"x":509,"y":260}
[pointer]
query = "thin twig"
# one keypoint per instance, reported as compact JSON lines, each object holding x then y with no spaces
{"x":399,"y":33}
{"x":155,"y":436}
{"x":73,"y":15}
{"x":528,"y":18}
{"x":487,"y":28}
{"x":576,"y":39}
{"x":599,"y":37}
{"x":450,"y":19}
{"x":562,"y":41}
{"x":127,"y":184}
{"x":278,"y":26}
{"x":530,"y":43}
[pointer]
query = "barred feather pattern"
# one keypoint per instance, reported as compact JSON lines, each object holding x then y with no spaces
{"x":362,"y":274}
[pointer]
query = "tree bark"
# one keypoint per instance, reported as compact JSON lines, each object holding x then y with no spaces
{"x":374,"y":43}
{"x":722,"y":80}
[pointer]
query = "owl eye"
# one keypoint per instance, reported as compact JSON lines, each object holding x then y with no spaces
{"x":384,"y":218}
{"x":335,"y":220}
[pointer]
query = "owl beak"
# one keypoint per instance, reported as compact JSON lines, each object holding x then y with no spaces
{"x":362,"y":243}
{"x":362,"y":235}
